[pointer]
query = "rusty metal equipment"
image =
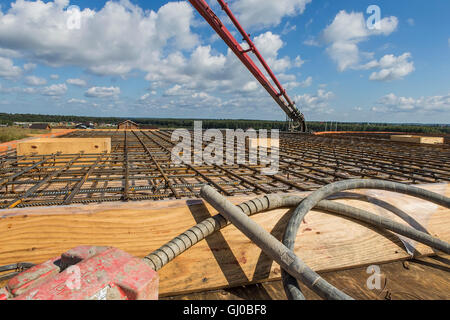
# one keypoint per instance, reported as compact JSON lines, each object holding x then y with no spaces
{"x":86,"y":272}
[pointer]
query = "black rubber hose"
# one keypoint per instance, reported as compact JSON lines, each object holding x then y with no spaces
{"x":183,"y":242}
{"x":270,"y":245}
{"x":290,"y":284}
{"x":17,"y":267}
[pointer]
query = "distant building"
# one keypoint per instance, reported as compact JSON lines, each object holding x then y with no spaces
{"x":128,"y":124}
{"x":40,"y":126}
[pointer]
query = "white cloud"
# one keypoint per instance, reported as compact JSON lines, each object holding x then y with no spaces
{"x":55,"y":90}
{"x":304,"y":84}
{"x":318,"y":103}
{"x":288,"y":27}
{"x":112,"y":41}
{"x":8,"y":70}
{"x":264,"y":13}
{"x":54,"y":76}
{"x":35,"y":81}
{"x":29,"y":67}
{"x":77,"y":101}
{"x":307,"y":82}
{"x":145,"y":97}
{"x":121,"y":38}
{"x":393,"y":104}
{"x":205,"y":71}
{"x":251,"y":86}
{"x":392,"y":67}
{"x":345,"y":33}
{"x":299,"y":62}
{"x":312,"y":42}
{"x":8,"y":53}
{"x":17,"y":90}
{"x":176,"y":90}
{"x":102,"y":92}
{"x":269,"y":44}
{"x":77,"y":82}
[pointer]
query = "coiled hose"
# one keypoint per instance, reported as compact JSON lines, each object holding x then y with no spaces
{"x":181,"y":243}
{"x":292,"y":267}
{"x":290,"y":285}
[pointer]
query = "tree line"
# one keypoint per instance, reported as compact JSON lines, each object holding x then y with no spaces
{"x":9,"y":119}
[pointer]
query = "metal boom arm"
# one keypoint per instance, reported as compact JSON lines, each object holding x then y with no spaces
{"x":280,"y":96}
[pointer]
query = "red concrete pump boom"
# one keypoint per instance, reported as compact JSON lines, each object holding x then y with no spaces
{"x":297,"y":120}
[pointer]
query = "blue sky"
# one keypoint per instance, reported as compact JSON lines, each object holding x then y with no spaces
{"x":160,"y":59}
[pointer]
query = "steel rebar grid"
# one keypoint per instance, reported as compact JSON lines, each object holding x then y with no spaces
{"x":140,"y":168}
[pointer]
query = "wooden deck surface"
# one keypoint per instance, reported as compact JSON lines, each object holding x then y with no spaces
{"x":226,"y":259}
{"x":425,"y":278}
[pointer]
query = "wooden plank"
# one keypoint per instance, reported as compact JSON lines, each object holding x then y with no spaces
{"x":264,"y":143}
{"x":64,"y":145}
{"x":226,"y":259}
{"x":417,"y":139}
{"x":425,"y":278}
{"x":13,"y":144}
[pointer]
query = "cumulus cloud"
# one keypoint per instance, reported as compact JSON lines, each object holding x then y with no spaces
{"x":8,"y":70}
{"x":35,"y":81}
{"x":318,"y":103}
{"x":205,"y":70}
{"x":77,"y":82}
{"x":116,"y":39}
{"x":77,"y":101}
{"x":299,"y":62}
{"x":17,"y":90}
{"x":311,"y":42}
{"x":345,"y":33}
{"x":394,"y":104}
{"x":269,"y":44}
{"x":307,"y":82}
{"x":264,"y":13}
{"x":55,"y":90}
{"x":54,"y":76}
{"x":102,"y":92}
{"x":294,"y":84}
{"x":120,"y":38}
{"x":29,"y":67}
{"x":392,"y":67}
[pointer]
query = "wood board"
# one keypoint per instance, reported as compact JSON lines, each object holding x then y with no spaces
{"x":45,"y":146}
{"x":417,"y":139}
{"x":425,"y":278}
{"x":226,"y":259}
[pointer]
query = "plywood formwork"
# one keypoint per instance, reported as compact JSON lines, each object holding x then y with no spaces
{"x":417,"y":139}
{"x":423,"y":278}
{"x":45,"y":146}
{"x":226,"y":259}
